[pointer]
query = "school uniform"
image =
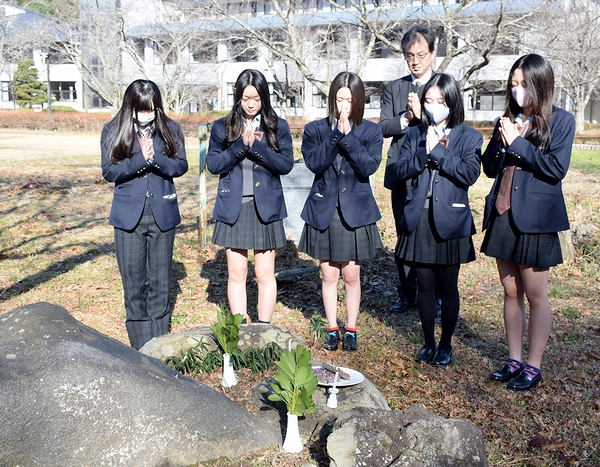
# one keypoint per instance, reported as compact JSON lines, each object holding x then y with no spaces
{"x":340,"y":212}
{"x":527,"y":232}
{"x":250,"y":207}
{"x":437,"y":223}
{"x":144,"y":213}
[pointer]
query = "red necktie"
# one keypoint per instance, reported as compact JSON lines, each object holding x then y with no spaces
{"x":503,"y":198}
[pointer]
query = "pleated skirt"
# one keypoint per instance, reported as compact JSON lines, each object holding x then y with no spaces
{"x":340,"y":243}
{"x":249,"y":232}
{"x":503,"y":240}
{"x":423,"y":245}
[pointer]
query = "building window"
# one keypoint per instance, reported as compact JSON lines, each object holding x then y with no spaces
{"x":5,"y":91}
{"x":319,"y":99}
{"x":96,"y":102}
{"x":489,"y":100}
{"x":230,"y":95}
{"x":63,"y":91}
{"x":374,"y":93}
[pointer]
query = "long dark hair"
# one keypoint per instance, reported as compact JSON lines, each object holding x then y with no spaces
{"x":451,"y":93}
{"x":235,"y":120}
{"x":141,"y":95}
{"x":539,"y":78}
{"x":347,"y":79}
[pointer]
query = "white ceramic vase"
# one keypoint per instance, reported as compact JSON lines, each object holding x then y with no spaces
{"x":292,"y":442}
{"x":229,"y":378}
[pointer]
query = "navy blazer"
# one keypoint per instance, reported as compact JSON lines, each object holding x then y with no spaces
{"x":394,"y":104}
{"x":134,"y":178}
{"x":458,"y":168}
{"x":537,"y":202}
{"x":268,"y":165}
{"x":347,"y":185}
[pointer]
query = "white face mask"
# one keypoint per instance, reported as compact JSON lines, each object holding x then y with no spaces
{"x":145,"y":119}
{"x":520,"y":94}
{"x":437,"y":112}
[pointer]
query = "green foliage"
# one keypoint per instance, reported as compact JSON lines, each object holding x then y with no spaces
{"x":191,"y":362}
{"x":199,"y":360}
{"x":226,"y":329}
{"x":295,"y":383}
{"x":258,"y":360}
{"x":318,"y":327}
{"x":28,"y":90}
{"x":586,"y":160}
{"x":63,"y":108}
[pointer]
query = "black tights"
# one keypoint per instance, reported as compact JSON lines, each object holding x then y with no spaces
{"x":446,"y":278}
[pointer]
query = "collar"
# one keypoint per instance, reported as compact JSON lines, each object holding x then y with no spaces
{"x":441,"y":131}
{"x":139,"y":131}
{"x":521,"y":122}
{"x":423,"y":79}
{"x":255,"y":122}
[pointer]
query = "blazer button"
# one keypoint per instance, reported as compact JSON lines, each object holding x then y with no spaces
{"x":255,"y":166}
{"x":257,"y":184}
{"x":518,"y":168}
{"x":516,"y":188}
{"x":437,"y":181}
{"x":343,"y":190}
{"x":436,"y":200}
{"x":343,"y":172}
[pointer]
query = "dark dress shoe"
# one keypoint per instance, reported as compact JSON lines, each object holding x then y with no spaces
{"x":506,"y":373}
{"x":525,"y":381}
{"x":442,"y":357}
{"x":403,"y":304}
{"x":425,"y":355}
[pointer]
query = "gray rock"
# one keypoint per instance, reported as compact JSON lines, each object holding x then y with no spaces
{"x":251,"y":336}
{"x":585,"y":229}
{"x":404,"y":438}
{"x":72,"y":396}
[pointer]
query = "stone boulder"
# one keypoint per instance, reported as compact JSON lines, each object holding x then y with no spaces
{"x":72,"y":396}
{"x":412,"y":437}
{"x":251,"y":336}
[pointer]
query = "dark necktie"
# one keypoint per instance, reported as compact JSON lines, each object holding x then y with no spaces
{"x":503,"y":198}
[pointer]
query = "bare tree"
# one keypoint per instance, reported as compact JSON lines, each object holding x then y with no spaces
{"x":302,"y":43}
{"x":94,"y":38}
{"x":185,"y":52}
{"x":570,"y":33}
{"x":471,"y":28}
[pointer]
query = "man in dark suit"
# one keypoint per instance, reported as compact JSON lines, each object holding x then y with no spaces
{"x":401,"y":108}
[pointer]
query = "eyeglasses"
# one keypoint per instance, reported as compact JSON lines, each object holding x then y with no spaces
{"x":420,"y":56}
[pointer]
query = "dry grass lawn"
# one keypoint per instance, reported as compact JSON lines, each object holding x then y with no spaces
{"x":56,"y":246}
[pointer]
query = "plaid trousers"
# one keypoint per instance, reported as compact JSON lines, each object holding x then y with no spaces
{"x":145,"y":257}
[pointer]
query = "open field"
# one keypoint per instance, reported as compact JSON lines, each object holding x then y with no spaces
{"x":56,"y":246}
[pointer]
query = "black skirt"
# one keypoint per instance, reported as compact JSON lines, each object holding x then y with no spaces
{"x":423,"y":245}
{"x":249,"y":232}
{"x":504,"y":241}
{"x":339,"y":242}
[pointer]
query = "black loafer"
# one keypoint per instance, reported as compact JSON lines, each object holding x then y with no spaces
{"x":442,"y":357}
{"x":403,"y":304}
{"x":506,"y":373}
{"x":425,"y":355}
{"x":525,"y":381}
